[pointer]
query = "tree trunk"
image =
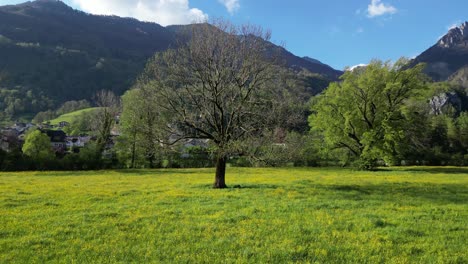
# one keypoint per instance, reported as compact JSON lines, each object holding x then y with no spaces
{"x":133,"y":151}
{"x":151,"y":160}
{"x":220,"y":172}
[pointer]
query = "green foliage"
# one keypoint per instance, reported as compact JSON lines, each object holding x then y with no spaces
{"x":447,"y":140}
{"x":462,"y":130}
{"x":366,"y":114}
{"x":44,"y":116}
{"x":89,"y":157}
{"x":409,"y":215}
{"x":16,"y":161}
{"x":141,"y":128}
{"x":102,"y":53}
{"x":37,"y":146}
{"x":296,"y":150}
{"x":80,"y":124}
{"x":18,"y":101}
{"x":194,"y":157}
{"x":72,"y":106}
{"x":67,"y":112}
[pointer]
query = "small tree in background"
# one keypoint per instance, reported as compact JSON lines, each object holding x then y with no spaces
{"x":140,"y":127}
{"x":104,"y":118}
{"x":37,"y":146}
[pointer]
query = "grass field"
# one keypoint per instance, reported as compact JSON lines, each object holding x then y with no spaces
{"x":69,"y":117}
{"x":410,"y":215}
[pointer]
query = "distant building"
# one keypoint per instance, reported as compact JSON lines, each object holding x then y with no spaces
{"x":57,"y":140}
{"x":77,"y":141}
{"x":21,"y":127}
{"x":63,"y":124}
{"x":13,"y":137}
{"x":9,"y":140}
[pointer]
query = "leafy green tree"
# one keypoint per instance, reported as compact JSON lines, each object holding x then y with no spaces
{"x":462,"y":125}
{"x":37,"y":146}
{"x":130,"y":144}
{"x":365,"y":115}
{"x":89,"y":157}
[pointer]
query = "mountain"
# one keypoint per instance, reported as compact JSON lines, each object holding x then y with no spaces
{"x":290,"y":60}
{"x":50,"y":48}
{"x":447,"y":60}
{"x":310,"y":64}
{"x":312,"y":60}
{"x":448,"y":56}
{"x":51,"y":53}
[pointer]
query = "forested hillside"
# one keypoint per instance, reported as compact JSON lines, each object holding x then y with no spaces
{"x":51,"y":53}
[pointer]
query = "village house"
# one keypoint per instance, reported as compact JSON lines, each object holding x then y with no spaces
{"x":13,"y":137}
{"x":77,"y":141}
{"x":57,"y":140}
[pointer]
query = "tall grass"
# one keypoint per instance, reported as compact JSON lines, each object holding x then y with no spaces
{"x":415,"y":215}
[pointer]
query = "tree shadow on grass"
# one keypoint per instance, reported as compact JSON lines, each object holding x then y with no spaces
{"x":237,"y":186}
{"x":435,"y":170}
{"x":145,"y":172}
{"x":435,"y":193}
{"x":254,"y":186}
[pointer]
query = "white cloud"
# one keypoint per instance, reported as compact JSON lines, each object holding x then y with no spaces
{"x":231,"y":5}
{"x":377,"y":8}
{"x":164,"y":12}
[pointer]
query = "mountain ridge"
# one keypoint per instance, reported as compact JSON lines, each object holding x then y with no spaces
{"x":448,"y":55}
{"x":52,"y":53}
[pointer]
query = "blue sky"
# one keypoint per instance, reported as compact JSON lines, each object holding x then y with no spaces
{"x":337,"y":32}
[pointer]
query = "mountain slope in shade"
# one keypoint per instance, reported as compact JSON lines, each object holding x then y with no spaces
{"x":61,"y":54}
{"x":290,"y":60}
{"x":460,"y":77}
{"x":448,"y":55}
{"x":64,"y":54}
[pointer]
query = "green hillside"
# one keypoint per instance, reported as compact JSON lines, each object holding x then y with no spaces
{"x":39,"y":71}
{"x":69,"y":117}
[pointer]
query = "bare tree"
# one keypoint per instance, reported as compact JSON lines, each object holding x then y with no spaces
{"x":104,"y":119}
{"x":215,"y":86}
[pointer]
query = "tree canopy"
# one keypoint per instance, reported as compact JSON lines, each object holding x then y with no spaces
{"x":37,"y":146}
{"x":366,"y":114}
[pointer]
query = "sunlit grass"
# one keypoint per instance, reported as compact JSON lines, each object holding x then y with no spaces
{"x":70,"y":117}
{"x":410,"y":215}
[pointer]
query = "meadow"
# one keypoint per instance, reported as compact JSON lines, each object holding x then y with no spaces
{"x":268,"y":215}
{"x":70,"y":117}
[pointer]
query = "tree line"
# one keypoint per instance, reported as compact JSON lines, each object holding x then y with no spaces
{"x":217,"y":97}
